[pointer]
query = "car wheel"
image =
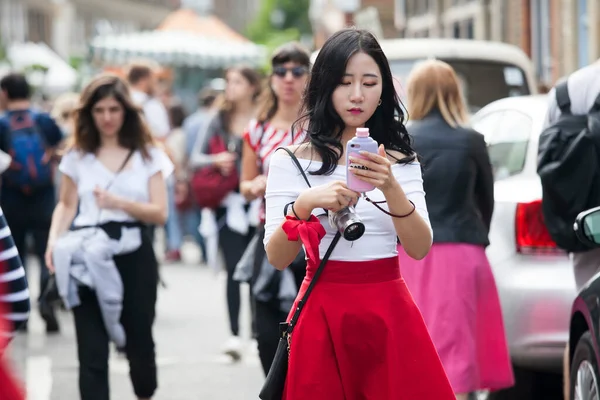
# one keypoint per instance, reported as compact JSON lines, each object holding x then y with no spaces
{"x":584,"y":370}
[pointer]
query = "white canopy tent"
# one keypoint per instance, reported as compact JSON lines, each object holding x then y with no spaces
{"x":175,"y":48}
{"x":59,"y":75}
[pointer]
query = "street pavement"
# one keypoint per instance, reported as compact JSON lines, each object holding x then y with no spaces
{"x":190,"y":329}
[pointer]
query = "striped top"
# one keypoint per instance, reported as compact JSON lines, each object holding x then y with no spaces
{"x":265,"y":139}
{"x":14,"y":293}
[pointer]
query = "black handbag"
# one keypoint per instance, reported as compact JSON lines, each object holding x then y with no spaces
{"x":275,"y":381}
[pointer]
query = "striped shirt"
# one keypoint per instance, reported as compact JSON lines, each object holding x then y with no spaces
{"x":265,"y":139}
{"x":14,"y":295}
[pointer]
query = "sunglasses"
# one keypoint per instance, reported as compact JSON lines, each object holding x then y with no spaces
{"x":297,"y":72}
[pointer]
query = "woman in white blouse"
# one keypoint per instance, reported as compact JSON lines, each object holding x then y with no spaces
{"x":360,"y":334}
{"x":117,"y":176}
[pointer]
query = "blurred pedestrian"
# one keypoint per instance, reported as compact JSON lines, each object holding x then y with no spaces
{"x":280,"y":106}
{"x":32,"y":139}
{"x":453,"y":285}
{"x":142,"y":77}
{"x":360,"y":334}
{"x":14,"y":308}
{"x":116,"y":174}
{"x":220,"y":147}
{"x":63,"y":111}
{"x":178,"y":186}
{"x":569,"y":103}
{"x":193,"y":125}
{"x":195,"y":122}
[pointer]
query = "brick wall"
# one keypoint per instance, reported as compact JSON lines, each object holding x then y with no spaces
{"x":513,"y":25}
{"x":525,"y":20}
{"x":556,"y":40}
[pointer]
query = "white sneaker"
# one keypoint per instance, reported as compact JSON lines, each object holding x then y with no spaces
{"x":233,"y":348}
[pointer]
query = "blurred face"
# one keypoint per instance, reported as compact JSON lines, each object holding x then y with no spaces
{"x":3,"y":99}
{"x":237,"y":87}
{"x":148,"y":84}
{"x":67,"y":120}
{"x":109,"y":116}
{"x":288,"y":82}
{"x":357,"y":96}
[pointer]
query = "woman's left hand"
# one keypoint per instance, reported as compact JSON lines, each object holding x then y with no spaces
{"x":379,"y":172}
{"x":105,"y":199}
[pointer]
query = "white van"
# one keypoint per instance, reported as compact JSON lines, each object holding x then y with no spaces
{"x":488,"y":70}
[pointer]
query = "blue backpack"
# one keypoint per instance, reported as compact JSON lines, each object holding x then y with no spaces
{"x":30,"y":169}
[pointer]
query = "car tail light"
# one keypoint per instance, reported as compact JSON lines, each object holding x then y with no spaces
{"x":530,"y":231}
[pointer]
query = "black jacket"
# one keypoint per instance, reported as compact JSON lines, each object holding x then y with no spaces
{"x":458,"y":180}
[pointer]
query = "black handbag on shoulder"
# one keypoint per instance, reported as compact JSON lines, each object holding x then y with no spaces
{"x":275,"y":382}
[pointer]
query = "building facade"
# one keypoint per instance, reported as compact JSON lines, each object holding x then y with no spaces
{"x":572,"y":42}
{"x":236,"y":13}
{"x":68,"y":25}
{"x":465,"y":19}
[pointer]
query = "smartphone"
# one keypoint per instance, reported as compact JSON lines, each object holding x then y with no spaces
{"x":361,"y":142}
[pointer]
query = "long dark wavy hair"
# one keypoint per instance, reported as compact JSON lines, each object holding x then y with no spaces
{"x":323,"y":124}
{"x":134,"y":133}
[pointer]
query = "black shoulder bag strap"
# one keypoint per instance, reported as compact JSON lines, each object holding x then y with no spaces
{"x":319,"y":271}
{"x":562,"y":97}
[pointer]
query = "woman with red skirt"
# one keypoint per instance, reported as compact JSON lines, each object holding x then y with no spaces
{"x":360,"y":334}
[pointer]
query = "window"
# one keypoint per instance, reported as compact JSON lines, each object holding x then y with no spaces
{"x":507,"y":135}
{"x":469,"y":29}
{"x":456,"y":30}
{"x":488,"y":123}
{"x":417,"y":7}
{"x":540,"y":39}
{"x":38,"y":24}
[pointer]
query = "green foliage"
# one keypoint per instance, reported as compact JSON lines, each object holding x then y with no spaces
{"x":294,"y":22}
{"x":291,"y":18}
{"x":3,"y":54}
{"x":76,"y":62}
{"x":35,"y":67}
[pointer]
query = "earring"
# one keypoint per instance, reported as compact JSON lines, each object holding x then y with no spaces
{"x":378,"y":104}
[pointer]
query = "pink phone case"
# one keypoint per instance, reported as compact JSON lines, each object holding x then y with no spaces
{"x":352,"y":149}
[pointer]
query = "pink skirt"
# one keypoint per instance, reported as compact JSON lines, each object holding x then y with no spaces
{"x":456,"y":292}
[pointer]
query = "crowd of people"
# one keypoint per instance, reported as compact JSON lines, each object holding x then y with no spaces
{"x":117,"y":160}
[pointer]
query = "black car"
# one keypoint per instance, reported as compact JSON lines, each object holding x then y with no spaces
{"x":584,"y":335}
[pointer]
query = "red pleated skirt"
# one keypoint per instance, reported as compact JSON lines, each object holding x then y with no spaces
{"x":361,"y":337}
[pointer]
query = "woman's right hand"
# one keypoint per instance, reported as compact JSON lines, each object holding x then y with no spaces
{"x":48,"y":257}
{"x":332,"y":196}
{"x":225,"y":162}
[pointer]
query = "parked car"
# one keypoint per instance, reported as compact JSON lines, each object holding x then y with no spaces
{"x":585,"y":316}
{"x":534,"y":278}
{"x":487,"y":70}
